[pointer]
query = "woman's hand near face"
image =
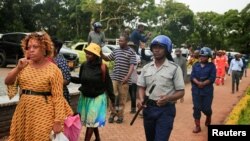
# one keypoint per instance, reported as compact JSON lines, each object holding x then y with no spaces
{"x":11,"y":77}
{"x":22,"y":63}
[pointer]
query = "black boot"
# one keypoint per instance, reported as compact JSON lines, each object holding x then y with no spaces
{"x":208,"y":120}
{"x":88,"y":134}
{"x":197,"y":127}
{"x":97,"y":135}
{"x":111,"y":118}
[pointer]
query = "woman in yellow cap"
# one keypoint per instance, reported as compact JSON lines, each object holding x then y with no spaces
{"x":95,"y":83}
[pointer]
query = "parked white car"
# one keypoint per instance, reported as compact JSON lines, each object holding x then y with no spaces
{"x":112,"y":47}
{"x":79,"y":45}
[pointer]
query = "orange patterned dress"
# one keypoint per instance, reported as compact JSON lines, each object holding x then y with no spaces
{"x":34,"y":115}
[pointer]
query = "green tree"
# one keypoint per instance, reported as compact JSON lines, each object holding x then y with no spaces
{"x":75,"y":21}
{"x":233,"y":28}
{"x":112,"y":13}
{"x":170,"y":18}
{"x":16,"y":15}
{"x":207,"y":29}
{"x":180,"y":21}
{"x":245,"y":36}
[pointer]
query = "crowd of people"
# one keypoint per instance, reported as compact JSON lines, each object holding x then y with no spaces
{"x":42,"y":76}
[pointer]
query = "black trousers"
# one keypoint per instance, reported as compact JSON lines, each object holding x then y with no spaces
{"x":132,"y":93}
{"x":235,"y":80}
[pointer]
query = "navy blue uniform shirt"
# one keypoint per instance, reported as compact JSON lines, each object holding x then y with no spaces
{"x":202,"y":74}
{"x":136,"y":37}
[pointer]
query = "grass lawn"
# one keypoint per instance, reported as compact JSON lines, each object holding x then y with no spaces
{"x":245,"y":115}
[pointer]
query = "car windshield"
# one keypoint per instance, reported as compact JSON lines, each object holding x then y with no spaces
{"x":106,"y":50}
{"x":112,"y":47}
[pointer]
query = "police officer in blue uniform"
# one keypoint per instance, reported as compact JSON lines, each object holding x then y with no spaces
{"x":160,"y":85}
{"x":202,"y":78}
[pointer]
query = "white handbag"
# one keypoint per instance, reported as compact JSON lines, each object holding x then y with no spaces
{"x":58,"y":137}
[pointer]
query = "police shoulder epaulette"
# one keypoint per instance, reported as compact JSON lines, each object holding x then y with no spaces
{"x":147,"y":65}
{"x":173,"y":63}
{"x":176,"y":66}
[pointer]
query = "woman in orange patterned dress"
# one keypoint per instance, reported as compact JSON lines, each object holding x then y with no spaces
{"x":42,"y":107}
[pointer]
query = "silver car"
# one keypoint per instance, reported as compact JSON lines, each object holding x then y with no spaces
{"x":71,"y":56}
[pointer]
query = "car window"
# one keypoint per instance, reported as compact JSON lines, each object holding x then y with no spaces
{"x":15,"y":38}
{"x":79,"y":47}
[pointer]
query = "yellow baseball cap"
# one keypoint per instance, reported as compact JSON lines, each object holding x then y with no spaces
{"x":94,"y":48}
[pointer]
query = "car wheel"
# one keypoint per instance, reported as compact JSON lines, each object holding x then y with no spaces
{"x":3,"y":63}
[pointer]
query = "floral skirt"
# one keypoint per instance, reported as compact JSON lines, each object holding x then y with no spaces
{"x":93,"y":110}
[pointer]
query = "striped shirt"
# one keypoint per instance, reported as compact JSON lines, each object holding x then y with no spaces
{"x":123,"y":58}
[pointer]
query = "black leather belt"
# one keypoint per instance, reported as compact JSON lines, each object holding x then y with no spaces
{"x":45,"y":94}
{"x":153,"y":103}
{"x":29,"y":92}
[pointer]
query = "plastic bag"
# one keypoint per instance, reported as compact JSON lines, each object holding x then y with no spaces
{"x":72,"y":127}
{"x":58,"y":137}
